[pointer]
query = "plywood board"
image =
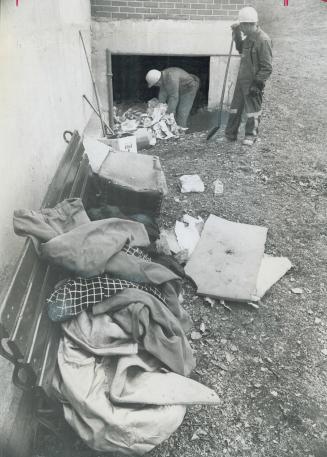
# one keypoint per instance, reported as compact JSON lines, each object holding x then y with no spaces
{"x":227,"y":259}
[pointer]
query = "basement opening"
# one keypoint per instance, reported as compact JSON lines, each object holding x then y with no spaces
{"x":130,"y":87}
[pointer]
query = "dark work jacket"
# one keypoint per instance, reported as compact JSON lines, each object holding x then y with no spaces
{"x":256,"y":60}
{"x":175,"y":82}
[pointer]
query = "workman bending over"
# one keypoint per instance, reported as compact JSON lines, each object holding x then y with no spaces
{"x":255,"y":69}
{"x":177,"y":88}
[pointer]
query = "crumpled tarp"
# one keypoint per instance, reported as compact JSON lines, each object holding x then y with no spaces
{"x":97,"y":247}
{"x":155,"y":325}
{"x":110,"y":401}
{"x":99,"y":335}
{"x":86,"y":249}
{"x":47,"y":223}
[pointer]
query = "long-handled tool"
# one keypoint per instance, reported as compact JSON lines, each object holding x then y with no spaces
{"x":215,"y":129}
{"x":109,"y":130}
{"x":94,"y":86}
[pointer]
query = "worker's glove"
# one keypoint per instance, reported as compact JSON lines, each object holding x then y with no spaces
{"x":235,"y":27}
{"x":256,"y":88}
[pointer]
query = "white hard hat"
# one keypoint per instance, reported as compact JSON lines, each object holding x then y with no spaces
{"x":248,"y":14}
{"x":152,"y":77}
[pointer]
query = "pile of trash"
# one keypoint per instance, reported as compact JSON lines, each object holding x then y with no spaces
{"x":156,"y":120}
{"x":124,"y":359}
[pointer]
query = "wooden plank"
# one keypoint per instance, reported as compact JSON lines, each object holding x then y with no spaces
{"x":82,"y":176}
{"x":42,"y":284}
{"x":15,"y":293}
{"x":226,"y":261}
{"x":44,"y":341}
{"x":60,"y":178}
{"x":78,"y":155}
{"x":59,"y":189}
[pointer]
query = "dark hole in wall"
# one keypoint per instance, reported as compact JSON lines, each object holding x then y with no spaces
{"x":129,"y":85}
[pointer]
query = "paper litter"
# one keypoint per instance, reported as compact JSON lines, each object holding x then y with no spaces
{"x":155,"y":119}
{"x":191,"y":183}
{"x":188,"y":232}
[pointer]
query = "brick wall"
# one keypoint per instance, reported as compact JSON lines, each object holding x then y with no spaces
{"x":161,"y":9}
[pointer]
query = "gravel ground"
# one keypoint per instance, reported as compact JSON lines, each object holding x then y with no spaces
{"x":267,"y":365}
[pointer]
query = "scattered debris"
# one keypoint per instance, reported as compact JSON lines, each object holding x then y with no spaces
{"x":218,"y":187}
{"x":297,"y":291}
{"x":168,"y":240}
{"x":191,"y":183}
{"x":196,"y":336}
{"x":221,"y":365}
{"x":229,"y":357}
{"x":198,"y":434}
{"x":253,"y":305}
{"x":182,"y":257}
{"x":188,"y":235}
{"x":155,"y":119}
{"x":222,"y":302}
{"x":211,"y":301}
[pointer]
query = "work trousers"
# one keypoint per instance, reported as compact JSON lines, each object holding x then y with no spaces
{"x":185,"y":104}
{"x":251,"y":104}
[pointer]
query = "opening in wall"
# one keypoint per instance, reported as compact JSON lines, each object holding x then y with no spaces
{"x":129,"y":85}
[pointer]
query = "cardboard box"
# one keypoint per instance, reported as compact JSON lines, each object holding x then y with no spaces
{"x":124,"y":143}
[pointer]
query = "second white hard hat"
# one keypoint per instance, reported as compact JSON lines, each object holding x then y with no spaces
{"x":248,"y":14}
{"x":152,"y":77}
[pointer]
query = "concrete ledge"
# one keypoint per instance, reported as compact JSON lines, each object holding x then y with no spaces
{"x":167,"y":37}
{"x":162,"y":37}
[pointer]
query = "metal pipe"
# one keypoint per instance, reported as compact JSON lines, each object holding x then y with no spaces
{"x":109,"y":130}
{"x":110,"y":90}
{"x":94,"y":85}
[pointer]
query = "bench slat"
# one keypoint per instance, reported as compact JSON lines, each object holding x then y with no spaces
{"x":59,"y":180}
{"x":60,"y":188}
{"x":16,"y":291}
{"x":41,"y":343}
{"x":43,"y":357}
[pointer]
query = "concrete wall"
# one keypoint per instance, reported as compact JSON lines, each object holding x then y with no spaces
{"x":165,"y":37}
{"x":170,"y":9}
{"x":42,"y":79}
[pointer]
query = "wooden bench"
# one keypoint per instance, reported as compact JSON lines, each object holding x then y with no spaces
{"x":27,"y":337}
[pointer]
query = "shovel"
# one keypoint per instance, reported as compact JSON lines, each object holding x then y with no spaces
{"x":215,"y":129}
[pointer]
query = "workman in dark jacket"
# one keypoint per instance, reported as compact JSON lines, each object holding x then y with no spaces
{"x":177,"y":88}
{"x":255,"y":69}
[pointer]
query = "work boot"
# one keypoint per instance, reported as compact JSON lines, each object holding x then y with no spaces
{"x":230,"y":137}
{"x":249,"y":141}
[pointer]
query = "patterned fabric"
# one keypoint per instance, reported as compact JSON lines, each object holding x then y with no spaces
{"x":137,"y":252}
{"x":77,"y":295}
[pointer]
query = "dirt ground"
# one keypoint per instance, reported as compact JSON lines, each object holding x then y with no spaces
{"x":269,"y":366}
